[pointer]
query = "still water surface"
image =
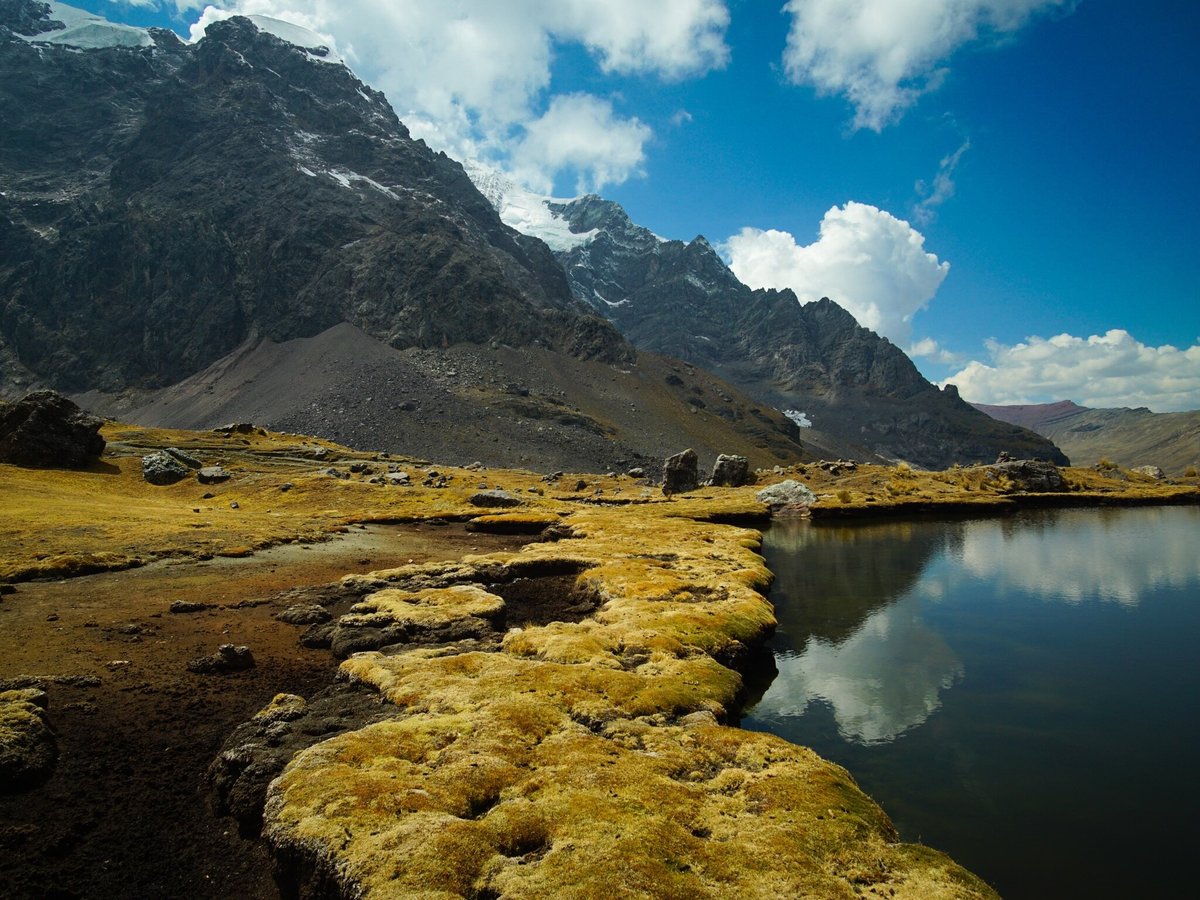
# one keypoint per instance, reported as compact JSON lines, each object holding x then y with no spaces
{"x":1023,"y":693}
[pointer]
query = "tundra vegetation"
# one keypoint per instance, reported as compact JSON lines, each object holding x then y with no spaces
{"x":588,"y":757}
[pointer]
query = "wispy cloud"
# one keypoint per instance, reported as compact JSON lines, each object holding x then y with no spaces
{"x":882,"y":55}
{"x":867,"y":260}
{"x":941,"y":189}
{"x":1109,"y":370}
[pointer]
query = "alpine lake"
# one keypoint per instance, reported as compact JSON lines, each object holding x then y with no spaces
{"x":1022,"y":692}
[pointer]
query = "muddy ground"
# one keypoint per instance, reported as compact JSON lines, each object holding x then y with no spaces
{"x":125,"y":812}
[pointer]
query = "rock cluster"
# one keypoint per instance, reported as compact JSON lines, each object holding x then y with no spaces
{"x":46,"y":429}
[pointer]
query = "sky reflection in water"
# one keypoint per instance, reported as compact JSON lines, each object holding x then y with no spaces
{"x":1021,"y":692}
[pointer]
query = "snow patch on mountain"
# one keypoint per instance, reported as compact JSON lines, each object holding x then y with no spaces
{"x":318,"y":48}
{"x":88,"y":31}
{"x":527,"y":212}
{"x":801,"y":419}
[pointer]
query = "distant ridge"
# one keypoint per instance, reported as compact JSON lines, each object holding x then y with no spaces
{"x":852,"y":392}
{"x":1127,"y":437}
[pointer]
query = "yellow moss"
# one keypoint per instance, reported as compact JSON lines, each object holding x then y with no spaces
{"x":527,"y":772}
{"x":423,"y":609}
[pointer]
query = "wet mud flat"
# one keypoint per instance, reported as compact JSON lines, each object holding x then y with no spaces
{"x":126,"y":811}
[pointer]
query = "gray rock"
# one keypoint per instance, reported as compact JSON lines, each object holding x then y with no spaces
{"x":636,"y":472}
{"x":730,"y":471}
{"x":1034,"y":475}
{"x":786,"y":495}
{"x":161,"y":468}
{"x":681,"y":473}
{"x":47,"y":429}
{"x":399,"y":479}
{"x":212,"y":475}
{"x":186,"y":458}
{"x":1152,"y":471}
{"x":495,"y":499}
{"x":228,"y":658}
{"x":188,"y":606}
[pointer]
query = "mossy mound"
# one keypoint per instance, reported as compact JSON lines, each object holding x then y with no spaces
{"x":28,"y":750}
{"x":585,"y":759}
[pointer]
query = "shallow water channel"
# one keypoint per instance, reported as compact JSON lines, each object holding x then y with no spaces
{"x":1021,"y":692}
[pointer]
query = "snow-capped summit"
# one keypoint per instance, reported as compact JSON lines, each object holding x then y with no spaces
{"x":88,"y":31}
{"x":318,"y":47}
{"x":526,"y":211}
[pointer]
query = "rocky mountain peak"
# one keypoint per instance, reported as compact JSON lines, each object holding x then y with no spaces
{"x":196,"y":196}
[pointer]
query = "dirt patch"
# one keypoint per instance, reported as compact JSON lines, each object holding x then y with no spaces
{"x":125,"y":813}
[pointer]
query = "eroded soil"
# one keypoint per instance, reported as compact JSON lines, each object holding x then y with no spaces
{"x":126,"y":813}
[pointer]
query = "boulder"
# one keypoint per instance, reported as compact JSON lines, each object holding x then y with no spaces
{"x":184,"y":457}
{"x":730,"y":471}
{"x":28,"y":749}
{"x":47,"y":429}
{"x":212,"y":475}
{"x":681,"y":473}
{"x":786,"y":495}
{"x":162,"y":468}
{"x":495,"y":499}
{"x":1033,"y":475}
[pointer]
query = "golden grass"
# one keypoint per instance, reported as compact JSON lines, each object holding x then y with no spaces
{"x":582,"y":759}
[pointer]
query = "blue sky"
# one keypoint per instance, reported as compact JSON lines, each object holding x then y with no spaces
{"x":1043,"y":151}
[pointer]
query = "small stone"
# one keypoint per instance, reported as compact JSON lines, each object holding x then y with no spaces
{"x":233,"y":504}
{"x":285,"y":487}
{"x":187,"y":606}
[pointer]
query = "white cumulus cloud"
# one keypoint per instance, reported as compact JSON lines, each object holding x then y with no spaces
{"x":580,"y":132}
{"x":1109,"y":370}
{"x":884,"y":54}
{"x":473,"y":77}
{"x":865,"y":259}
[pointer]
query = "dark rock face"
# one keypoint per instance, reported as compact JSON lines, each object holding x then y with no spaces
{"x":864,"y":397}
{"x":163,"y":205}
{"x":730,"y":471}
{"x":47,"y":429}
{"x":681,"y":473}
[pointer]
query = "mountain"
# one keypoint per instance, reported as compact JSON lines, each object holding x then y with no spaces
{"x":853,"y":392}
{"x":1127,"y":437}
{"x":167,"y":209}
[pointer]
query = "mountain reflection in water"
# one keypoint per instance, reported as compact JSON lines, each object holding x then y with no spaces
{"x":1021,"y":692}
